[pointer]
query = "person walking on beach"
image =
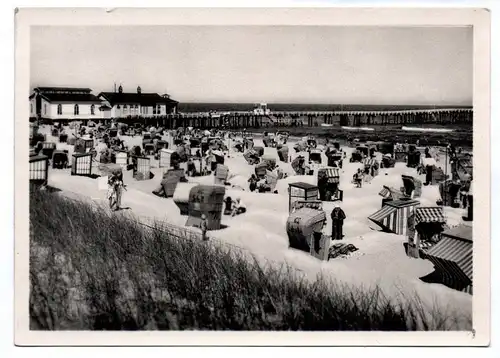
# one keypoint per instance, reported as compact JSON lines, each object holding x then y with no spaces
{"x":115,"y":190}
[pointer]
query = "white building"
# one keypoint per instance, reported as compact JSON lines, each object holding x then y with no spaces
{"x":136,"y":104}
{"x":64,"y":103}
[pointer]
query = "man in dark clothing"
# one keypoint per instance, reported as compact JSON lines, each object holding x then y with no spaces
{"x":338,"y":217}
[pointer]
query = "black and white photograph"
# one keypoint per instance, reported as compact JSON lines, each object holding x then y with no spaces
{"x":238,"y":177}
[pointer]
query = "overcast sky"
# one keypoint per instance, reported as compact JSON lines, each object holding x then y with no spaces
{"x":334,"y":65}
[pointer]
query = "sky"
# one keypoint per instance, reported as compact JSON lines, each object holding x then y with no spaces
{"x":273,"y":64}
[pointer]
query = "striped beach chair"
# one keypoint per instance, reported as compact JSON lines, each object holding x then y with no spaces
{"x":393,"y":217}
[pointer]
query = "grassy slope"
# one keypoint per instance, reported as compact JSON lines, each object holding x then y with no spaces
{"x":94,"y":270}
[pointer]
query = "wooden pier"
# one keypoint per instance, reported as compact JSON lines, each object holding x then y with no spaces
{"x":310,"y":119}
{"x":334,"y":119}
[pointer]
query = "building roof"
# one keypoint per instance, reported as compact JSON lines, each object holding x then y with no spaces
{"x":63,"y":89}
{"x":144,"y":99}
{"x":66,"y":94}
{"x":70,"y":97}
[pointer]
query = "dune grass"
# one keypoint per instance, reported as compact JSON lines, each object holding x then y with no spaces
{"x":93,"y":270}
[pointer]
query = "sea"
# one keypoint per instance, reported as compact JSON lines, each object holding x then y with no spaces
{"x":191,"y":107}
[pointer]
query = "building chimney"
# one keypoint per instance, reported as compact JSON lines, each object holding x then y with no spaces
{"x":120,"y":89}
{"x":139,"y":89}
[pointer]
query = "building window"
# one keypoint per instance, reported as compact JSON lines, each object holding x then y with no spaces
{"x":118,"y":107}
{"x":45,"y":108}
{"x":31,"y":107}
{"x":77,"y":110}
{"x":92,"y":109}
{"x":59,"y":109}
{"x":124,"y":107}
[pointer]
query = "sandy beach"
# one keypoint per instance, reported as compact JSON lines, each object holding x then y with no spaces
{"x":380,"y":260}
